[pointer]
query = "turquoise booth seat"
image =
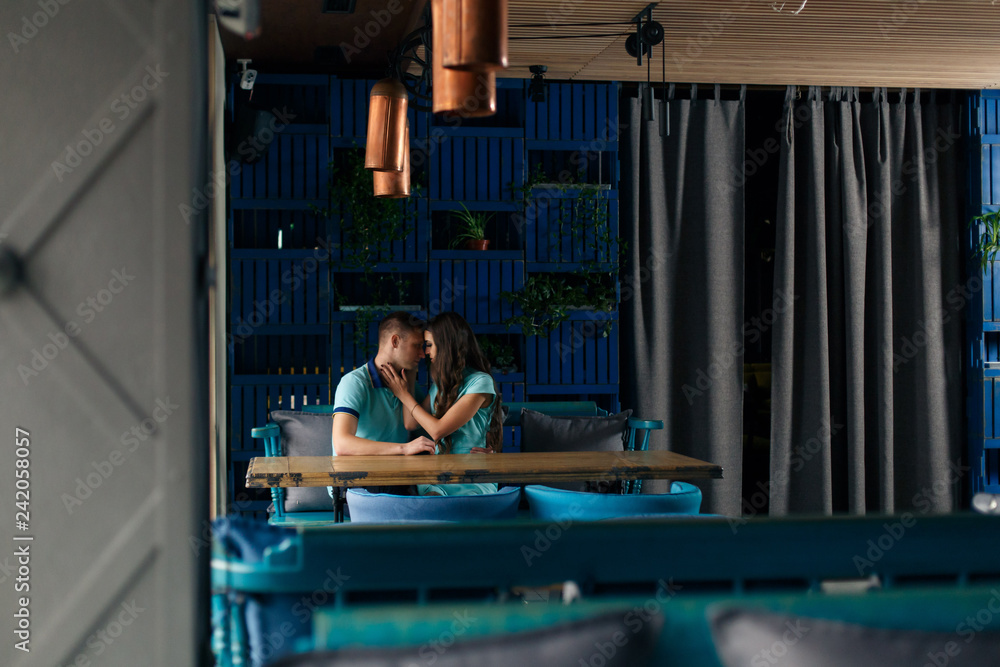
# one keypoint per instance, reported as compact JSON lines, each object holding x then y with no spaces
{"x":389,"y":508}
{"x":279,"y":592}
{"x":551,"y":504}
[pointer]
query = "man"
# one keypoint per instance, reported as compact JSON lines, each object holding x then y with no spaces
{"x":367,"y":418}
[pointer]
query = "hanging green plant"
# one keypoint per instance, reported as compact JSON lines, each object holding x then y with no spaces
{"x":988,"y":244}
{"x":547,"y":299}
{"x":369,"y":225}
{"x":582,"y":222}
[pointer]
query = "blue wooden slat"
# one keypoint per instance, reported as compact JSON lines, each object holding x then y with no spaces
{"x":301,"y":295}
{"x":590,"y":353}
{"x":468,"y":270}
{"x":484,"y":293}
{"x":992,"y":279}
{"x":554,"y":100}
{"x":286,"y":166}
{"x":612,"y":339}
{"x":591,"y":121}
{"x":361,"y":90}
{"x":465,"y":169}
{"x":557,"y":339}
{"x":260,"y":172}
{"x":505,"y":170}
{"x":433,"y":288}
{"x":995,"y":175}
{"x":571,"y":358}
{"x":314,"y":181}
{"x":237,"y":289}
{"x":507,"y":285}
{"x":540,"y":114}
{"x":565,"y":111}
{"x":324,"y":293}
{"x":236,"y":419}
{"x":989,"y":400}
{"x":601,"y":350}
{"x":435,"y":179}
{"x":987,"y":295}
{"x":494,"y":282}
{"x":493,"y":182}
{"x":530,"y":111}
{"x":279,"y":313}
{"x":484,"y":175}
{"x":260,"y":288}
{"x":259,"y":394}
{"x":986,"y":183}
{"x":447,"y":150}
{"x":577,"y":111}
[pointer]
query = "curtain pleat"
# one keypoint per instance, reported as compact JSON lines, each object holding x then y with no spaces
{"x":682,"y":286}
{"x":867,"y":376}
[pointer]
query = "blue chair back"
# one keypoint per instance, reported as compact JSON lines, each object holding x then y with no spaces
{"x":368,"y":507}
{"x":556,"y":504}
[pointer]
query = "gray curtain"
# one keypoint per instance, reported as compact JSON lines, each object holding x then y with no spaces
{"x":867,"y":410}
{"x":682,"y":287}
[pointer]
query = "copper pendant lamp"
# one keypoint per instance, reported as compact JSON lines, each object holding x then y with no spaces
{"x":386,"y":146}
{"x":395,"y":184}
{"x":475,"y":35}
{"x":464,"y":94}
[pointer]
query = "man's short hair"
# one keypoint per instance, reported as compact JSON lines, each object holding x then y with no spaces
{"x":400,"y":322}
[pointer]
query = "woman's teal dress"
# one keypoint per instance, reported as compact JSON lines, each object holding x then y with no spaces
{"x":470,"y":434}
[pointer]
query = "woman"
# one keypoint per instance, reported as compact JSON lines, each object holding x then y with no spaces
{"x":461,"y":413}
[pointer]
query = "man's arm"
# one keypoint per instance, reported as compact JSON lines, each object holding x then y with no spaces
{"x":347,"y":443}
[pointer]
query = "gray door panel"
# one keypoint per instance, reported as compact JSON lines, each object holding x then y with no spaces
{"x":103,"y":344}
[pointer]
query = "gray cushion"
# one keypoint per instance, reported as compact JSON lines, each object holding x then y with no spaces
{"x":751,"y":637}
{"x":606,"y":640}
{"x":305,"y":434}
{"x":542,"y":433}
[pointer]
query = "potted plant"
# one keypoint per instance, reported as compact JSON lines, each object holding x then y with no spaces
{"x":988,"y":244}
{"x":500,"y":354}
{"x":471,"y":229}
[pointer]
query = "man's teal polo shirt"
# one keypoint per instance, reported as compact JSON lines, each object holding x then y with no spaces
{"x":362,"y":395}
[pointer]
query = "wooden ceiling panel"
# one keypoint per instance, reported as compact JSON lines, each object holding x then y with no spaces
{"x":953,"y":44}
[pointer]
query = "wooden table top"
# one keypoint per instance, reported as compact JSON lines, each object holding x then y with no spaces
{"x":510,"y":468}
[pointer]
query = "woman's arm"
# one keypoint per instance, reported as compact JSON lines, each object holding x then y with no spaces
{"x":409,"y":421}
{"x":456,"y":416}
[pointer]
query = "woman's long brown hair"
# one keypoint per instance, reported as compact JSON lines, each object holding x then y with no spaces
{"x":457,"y":349}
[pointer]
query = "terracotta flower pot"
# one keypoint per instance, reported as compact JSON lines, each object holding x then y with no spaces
{"x":477,"y":244}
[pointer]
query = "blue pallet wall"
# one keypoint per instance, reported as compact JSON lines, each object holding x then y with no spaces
{"x":289,"y":341}
{"x":983,"y":330}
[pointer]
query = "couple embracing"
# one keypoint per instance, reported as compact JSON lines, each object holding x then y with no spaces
{"x":378,"y":404}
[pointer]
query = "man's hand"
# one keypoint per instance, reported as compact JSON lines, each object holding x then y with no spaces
{"x":421,"y":445}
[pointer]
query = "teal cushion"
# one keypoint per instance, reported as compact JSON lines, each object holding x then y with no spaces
{"x":389,"y":508}
{"x":548,"y":504}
